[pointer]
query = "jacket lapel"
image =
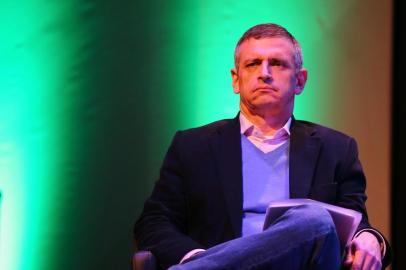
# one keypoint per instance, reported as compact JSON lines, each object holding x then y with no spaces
{"x":226,"y":149}
{"x":303,"y":154}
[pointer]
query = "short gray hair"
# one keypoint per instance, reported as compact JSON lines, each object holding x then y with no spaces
{"x":268,"y":30}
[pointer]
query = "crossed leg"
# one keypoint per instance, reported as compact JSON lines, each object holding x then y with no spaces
{"x":303,"y":238}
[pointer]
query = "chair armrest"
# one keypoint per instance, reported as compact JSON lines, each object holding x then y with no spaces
{"x":144,"y":260}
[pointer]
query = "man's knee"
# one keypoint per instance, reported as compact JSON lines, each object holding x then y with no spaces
{"x":308,"y":234}
{"x":311,"y":216}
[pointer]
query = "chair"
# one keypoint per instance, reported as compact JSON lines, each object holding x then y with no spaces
{"x":144,"y":260}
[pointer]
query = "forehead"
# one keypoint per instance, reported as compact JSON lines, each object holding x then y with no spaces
{"x":280,"y":47}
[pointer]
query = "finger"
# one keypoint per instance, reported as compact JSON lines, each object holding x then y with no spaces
{"x":368,"y":262}
{"x":348,"y":260}
{"x":377,"y":266}
{"x":371,"y":262}
{"x":348,"y":256}
{"x":358,"y":261}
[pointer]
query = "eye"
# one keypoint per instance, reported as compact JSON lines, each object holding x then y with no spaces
{"x":253,"y":63}
{"x":276,"y":62}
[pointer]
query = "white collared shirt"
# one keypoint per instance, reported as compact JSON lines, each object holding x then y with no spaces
{"x":263,"y":142}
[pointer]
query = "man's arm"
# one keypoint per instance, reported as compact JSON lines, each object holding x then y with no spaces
{"x":161,"y":227}
{"x":369,"y":249}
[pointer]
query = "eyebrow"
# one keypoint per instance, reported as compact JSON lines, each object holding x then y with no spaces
{"x":254,"y":59}
{"x":249,"y":60}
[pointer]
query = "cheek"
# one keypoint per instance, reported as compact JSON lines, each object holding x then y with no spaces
{"x":287,"y":80}
{"x":244,"y":83}
{"x":251,"y":78}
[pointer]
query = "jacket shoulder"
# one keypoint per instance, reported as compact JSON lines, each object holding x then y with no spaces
{"x":320,"y":130}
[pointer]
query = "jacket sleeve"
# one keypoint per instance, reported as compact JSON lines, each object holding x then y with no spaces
{"x":162,"y":226}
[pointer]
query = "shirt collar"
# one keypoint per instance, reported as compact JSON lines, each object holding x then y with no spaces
{"x":248,"y":128}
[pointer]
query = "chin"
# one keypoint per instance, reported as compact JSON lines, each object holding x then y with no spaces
{"x":264,"y":102}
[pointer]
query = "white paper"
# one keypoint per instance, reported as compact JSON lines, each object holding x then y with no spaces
{"x":346,"y":220}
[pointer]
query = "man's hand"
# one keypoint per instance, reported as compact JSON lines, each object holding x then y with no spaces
{"x":364,"y":252}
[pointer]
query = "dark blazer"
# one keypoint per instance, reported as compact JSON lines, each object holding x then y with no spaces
{"x":197,"y":201}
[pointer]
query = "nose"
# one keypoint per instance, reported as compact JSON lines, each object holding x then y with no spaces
{"x":265,"y":72}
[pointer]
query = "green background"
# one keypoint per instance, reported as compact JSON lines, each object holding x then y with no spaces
{"x":91,"y":93}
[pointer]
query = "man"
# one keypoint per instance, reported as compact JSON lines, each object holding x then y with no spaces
{"x":208,"y":206}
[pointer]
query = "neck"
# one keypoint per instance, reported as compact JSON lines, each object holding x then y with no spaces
{"x":268,"y":122}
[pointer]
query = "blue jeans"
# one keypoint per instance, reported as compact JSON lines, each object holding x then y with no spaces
{"x":303,"y":238}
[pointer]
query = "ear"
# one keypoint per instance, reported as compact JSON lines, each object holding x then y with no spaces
{"x":301,"y":78}
{"x":235,"y":81}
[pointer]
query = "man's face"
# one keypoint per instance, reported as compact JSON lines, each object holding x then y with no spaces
{"x":266,"y":77}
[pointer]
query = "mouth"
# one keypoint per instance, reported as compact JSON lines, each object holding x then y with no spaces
{"x":266,"y":89}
